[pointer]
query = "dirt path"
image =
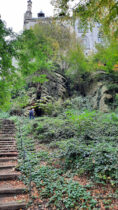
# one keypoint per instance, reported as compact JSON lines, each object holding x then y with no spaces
{"x":13,"y":193}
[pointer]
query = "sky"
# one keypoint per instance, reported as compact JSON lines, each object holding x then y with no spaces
{"x":12,"y":11}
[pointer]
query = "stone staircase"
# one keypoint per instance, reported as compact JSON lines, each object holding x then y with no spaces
{"x":13,"y":193}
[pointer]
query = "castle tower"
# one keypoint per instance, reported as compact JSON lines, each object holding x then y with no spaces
{"x":28,"y":13}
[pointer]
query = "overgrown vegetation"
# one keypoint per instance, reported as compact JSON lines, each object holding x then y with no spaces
{"x":72,"y":142}
{"x":77,"y":143}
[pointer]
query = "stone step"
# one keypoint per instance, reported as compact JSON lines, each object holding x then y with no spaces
{"x":10,"y":176}
{"x":10,"y":190}
{"x":13,"y":206}
{"x":10,"y":149}
{"x":9,"y":154}
{"x":6,"y":146}
{"x":7,"y":151}
{"x":8,"y":162}
{"x":8,"y":138}
{"x":2,"y":167}
{"x":6,"y":121}
{"x":8,"y":129}
{"x":6,"y":135}
{"x":7,"y":143}
{"x":8,"y":159}
{"x":7,"y":125}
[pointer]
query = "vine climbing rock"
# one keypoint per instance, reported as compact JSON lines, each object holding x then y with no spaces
{"x":13,"y":193}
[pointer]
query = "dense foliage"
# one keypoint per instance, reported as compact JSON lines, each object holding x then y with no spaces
{"x":28,"y":58}
{"x":34,"y":56}
{"x":72,"y":141}
{"x":106,"y":57}
{"x":61,"y":39}
{"x":79,"y":142}
{"x":8,"y":47}
{"x":91,"y":11}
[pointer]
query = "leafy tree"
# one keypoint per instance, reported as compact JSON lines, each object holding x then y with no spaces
{"x":57,"y":36}
{"x":90,"y":11}
{"x":34,"y":57}
{"x":21,"y":57}
{"x":8,"y":46}
{"x":106,"y":57}
{"x":34,"y":54}
{"x":66,"y":48}
{"x":76,"y":60}
{"x":54,"y":32}
{"x":38,"y":51}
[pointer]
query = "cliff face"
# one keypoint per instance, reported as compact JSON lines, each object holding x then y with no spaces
{"x":99,"y":95}
{"x":102,"y":88}
{"x":55,"y":87}
{"x":47,"y":93}
{"x":96,"y":86}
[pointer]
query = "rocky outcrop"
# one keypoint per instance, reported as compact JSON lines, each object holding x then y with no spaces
{"x":48,"y":92}
{"x":99,"y":92}
{"x":55,"y":87}
{"x":103,"y":106}
{"x":99,"y":96}
{"x":95,"y":86}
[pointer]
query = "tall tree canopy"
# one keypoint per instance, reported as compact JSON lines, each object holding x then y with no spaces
{"x":58,"y":35}
{"x":55,"y":32}
{"x":35,"y":53}
{"x":106,"y":57}
{"x":104,"y":12}
{"x":8,"y":46}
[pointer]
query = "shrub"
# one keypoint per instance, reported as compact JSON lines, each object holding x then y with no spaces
{"x":98,"y":160}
